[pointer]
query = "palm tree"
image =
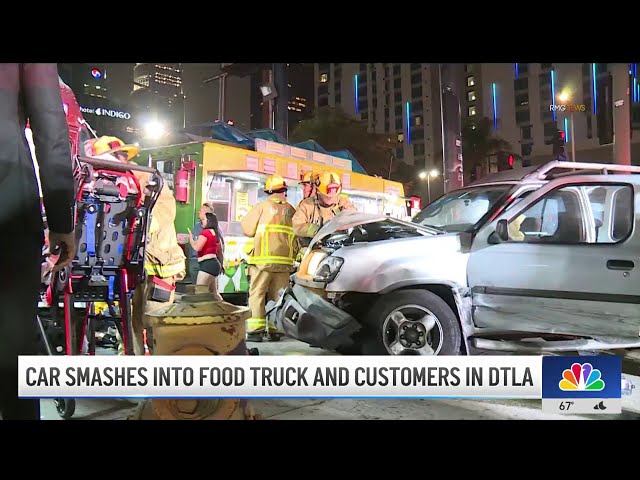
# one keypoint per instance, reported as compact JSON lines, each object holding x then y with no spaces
{"x":478,"y":143}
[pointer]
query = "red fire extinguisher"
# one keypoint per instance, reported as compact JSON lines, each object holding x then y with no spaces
{"x":182,"y":185}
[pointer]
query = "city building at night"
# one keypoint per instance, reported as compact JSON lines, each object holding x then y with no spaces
{"x":157,"y":93}
{"x":523,"y":100}
{"x":400,"y":99}
{"x":91,"y":85}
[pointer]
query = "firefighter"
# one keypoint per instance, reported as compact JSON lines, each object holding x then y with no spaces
{"x":313,"y":212}
{"x":308,"y":181}
{"x":165,"y":261}
{"x":271,"y":260}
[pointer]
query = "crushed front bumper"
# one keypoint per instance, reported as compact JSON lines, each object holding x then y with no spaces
{"x":308,"y":317}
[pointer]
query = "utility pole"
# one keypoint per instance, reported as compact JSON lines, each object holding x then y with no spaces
{"x":451,"y":120}
{"x":281,"y":83}
{"x":621,"y":114}
{"x":184,"y":97}
{"x":222,"y":86}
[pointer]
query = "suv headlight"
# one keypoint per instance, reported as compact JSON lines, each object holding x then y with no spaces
{"x":328,"y":269}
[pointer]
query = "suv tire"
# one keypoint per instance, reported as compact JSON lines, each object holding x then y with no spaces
{"x":421,"y":302}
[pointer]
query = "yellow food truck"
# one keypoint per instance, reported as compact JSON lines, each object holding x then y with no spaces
{"x":230,"y":177}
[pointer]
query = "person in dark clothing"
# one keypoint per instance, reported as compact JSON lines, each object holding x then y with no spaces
{"x":29,"y":91}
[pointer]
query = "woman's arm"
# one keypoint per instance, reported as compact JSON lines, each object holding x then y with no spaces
{"x":198,"y":244}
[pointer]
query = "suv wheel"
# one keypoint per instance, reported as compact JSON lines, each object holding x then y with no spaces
{"x":411,"y":322}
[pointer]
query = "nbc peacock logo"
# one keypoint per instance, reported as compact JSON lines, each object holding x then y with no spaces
{"x":581,"y":377}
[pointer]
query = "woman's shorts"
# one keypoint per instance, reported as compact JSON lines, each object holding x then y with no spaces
{"x":210,"y":266}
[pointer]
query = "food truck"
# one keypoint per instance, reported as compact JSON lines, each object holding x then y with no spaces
{"x":230,"y":176}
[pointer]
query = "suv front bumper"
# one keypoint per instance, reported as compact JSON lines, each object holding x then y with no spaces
{"x":308,"y":317}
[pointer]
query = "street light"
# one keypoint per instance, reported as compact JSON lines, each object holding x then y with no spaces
{"x":154,"y":130}
{"x":432,"y":174}
{"x":564,"y":98}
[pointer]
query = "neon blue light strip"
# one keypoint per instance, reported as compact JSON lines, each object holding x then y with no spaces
{"x":635,"y":81}
{"x":595,"y":88}
{"x":495,"y":106}
{"x":566,"y":129}
{"x":516,"y":67}
{"x":553,"y":93}
{"x":408,"y":123}
{"x":355,"y":86}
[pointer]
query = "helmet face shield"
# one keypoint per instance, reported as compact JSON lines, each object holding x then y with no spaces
{"x":329,"y":184}
{"x":333,"y":189}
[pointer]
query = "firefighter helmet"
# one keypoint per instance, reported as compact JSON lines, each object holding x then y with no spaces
{"x":308,"y":177}
{"x":275,"y":183}
{"x":329,"y":183}
{"x":106,"y":145}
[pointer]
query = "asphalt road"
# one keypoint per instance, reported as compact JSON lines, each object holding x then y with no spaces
{"x":330,"y":409}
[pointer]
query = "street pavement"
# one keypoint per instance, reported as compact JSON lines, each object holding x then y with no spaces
{"x":366,"y":409}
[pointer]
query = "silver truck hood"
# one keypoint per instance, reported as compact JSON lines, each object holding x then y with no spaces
{"x":347,"y":220}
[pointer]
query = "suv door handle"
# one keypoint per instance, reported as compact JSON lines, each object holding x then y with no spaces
{"x":620,"y":265}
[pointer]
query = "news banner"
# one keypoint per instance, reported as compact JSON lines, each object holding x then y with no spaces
{"x":566,"y":385}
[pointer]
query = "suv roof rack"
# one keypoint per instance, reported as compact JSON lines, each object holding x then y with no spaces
{"x":546,"y":171}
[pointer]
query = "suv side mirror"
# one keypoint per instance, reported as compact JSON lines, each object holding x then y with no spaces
{"x":502,"y":230}
{"x":501,"y":234}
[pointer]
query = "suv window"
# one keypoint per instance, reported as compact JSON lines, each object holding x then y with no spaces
{"x":461,"y":210}
{"x":577,"y":214}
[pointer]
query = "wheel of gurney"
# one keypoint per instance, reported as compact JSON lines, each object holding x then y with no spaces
{"x":65,"y":407}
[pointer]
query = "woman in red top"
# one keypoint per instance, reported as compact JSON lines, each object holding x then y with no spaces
{"x":209,"y":246}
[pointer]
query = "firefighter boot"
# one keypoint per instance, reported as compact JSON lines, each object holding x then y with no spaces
{"x":261,"y":333}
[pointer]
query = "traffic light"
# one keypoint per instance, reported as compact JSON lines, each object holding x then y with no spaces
{"x":506,"y":161}
{"x":558,"y":144}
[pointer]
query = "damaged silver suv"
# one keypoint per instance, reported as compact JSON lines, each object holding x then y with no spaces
{"x":536,"y":260}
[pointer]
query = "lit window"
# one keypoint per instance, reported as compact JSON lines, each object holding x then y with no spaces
{"x":471,"y":81}
{"x":324,"y":78}
{"x":472,"y":111}
{"x":471,"y":96}
{"x":418,"y":120}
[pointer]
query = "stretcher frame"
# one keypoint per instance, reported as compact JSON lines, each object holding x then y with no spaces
{"x":94,"y":276}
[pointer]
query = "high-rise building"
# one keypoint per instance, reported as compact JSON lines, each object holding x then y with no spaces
{"x":300,"y":77}
{"x":157,"y":92}
{"x":524,"y":102}
{"x":91,"y":85}
{"x":393,"y":98}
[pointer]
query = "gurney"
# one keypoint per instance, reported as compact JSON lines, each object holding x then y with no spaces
{"x":113,"y":213}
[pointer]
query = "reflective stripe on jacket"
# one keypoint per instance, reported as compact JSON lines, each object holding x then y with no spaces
{"x":274,"y":245}
{"x":310,"y":215}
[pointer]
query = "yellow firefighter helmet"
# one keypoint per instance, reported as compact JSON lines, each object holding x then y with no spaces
{"x":329,"y":183}
{"x":308,"y":177}
{"x":112,"y":145}
{"x":275,"y":183}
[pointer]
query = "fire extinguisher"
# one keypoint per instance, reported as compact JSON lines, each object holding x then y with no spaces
{"x":182,"y":185}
